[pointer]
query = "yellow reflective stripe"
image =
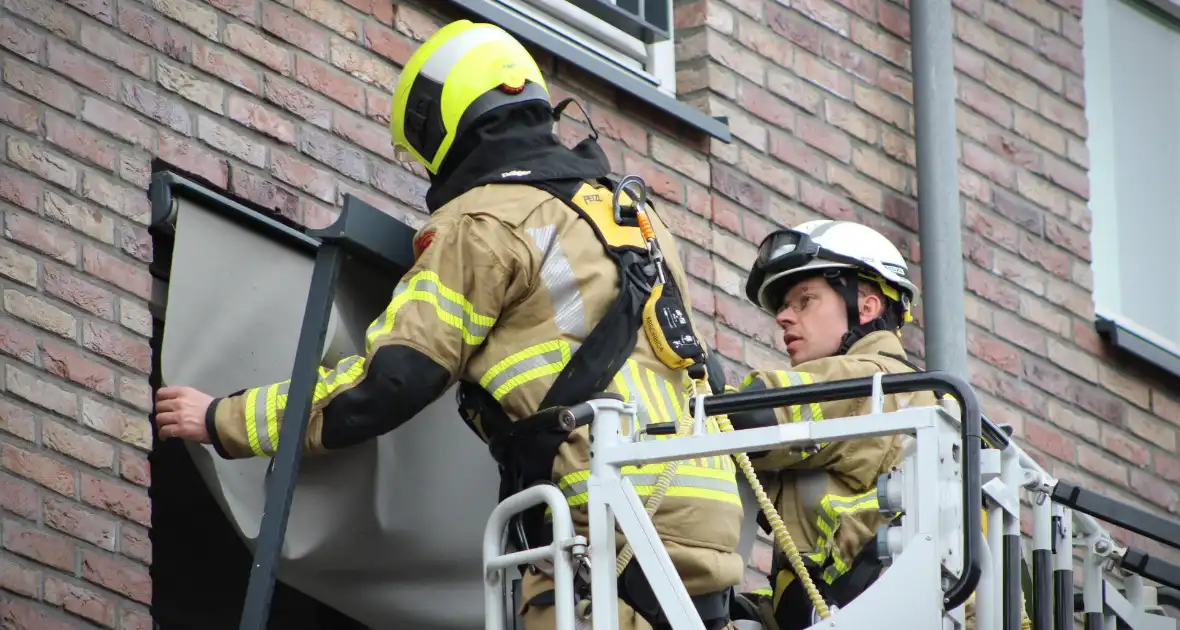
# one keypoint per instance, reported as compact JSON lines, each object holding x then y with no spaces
{"x":272,"y":414}
{"x":449,"y":305}
{"x":250,"y":408}
{"x":832,"y":507}
{"x":690,"y":481}
{"x":543,"y":359}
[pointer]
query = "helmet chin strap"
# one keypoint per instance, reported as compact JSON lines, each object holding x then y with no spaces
{"x":846,"y":285}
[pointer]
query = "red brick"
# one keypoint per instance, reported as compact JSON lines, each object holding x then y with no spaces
{"x":19,"y":189}
{"x":338,"y":155}
{"x":822,"y":74}
{"x":117,"y":498}
{"x":362,"y":65}
{"x":1068,"y":176}
{"x":261,"y":119}
{"x":661,"y":182}
{"x":1010,"y":328}
{"x":858,"y":62}
{"x":19,"y":39}
{"x":103,"y":43}
{"x":739,"y":188}
{"x":80,"y":217}
{"x":116,"y":346}
{"x":41,"y":86}
{"x":18,"y":342}
{"x":17,"y":420}
{"x":41,"y":236}
{"x":80,"y":446}
{"x":1092,"y":460}
{"x":118,"y":575}
{"x":134,"y":468}
{"x":230,"y":142}
{"x":38,"y":468}
{"x":994,"y":351}
{"x":388,"y":44}
{"x":830,"y":205}
{"x":55,"y":17}
{"x":1019,"y":272}
{"x":746,"y":319}
{"x":1071,"y":297}
{"x":380,"y":9}
{"x":796,"y":28}
{"x":44,"y":547}
{"x":413,"y":23}
{"x":120,"y":273}
{"x":134,"y":169}
{"x":687,"y":226}
{"x":67,"y":364}
{"x":227,"y":66}
{"x":796,"y":91}
{"x":1154,"y":490}
{"x":391,"y":179}
{"x":363,"y":133}
{"x":199,"y":18}
{"x":250,"y":43}
{"x":1010,"y":24}
{"x":769,"y":173}
{"x":1168,"y":467}
{"x":330,"y":14}
{"x":70,"y":518}
{"x":131,"y":429}
{"x":41,"y":393}
{"x":135,"y":242}
{"x":191,"y":87}
{"x":731,"y":54}
{"x":265,"y":192}
{"x":244,"y":10}
{"x":18,"y":614}
{"x":186,"y":154}
{"x":875,"y":165}
{"x":159,"y":108}
{"x":993,"y":167}
{"x":1054,"y":260}
{"x":1119,"y":383}
{"x":62,"y":284}
{"x":74,"y":64}
{"x":613,"y":125}
{"x":883,"y":106}
{"x":304,"y":176}
{"x":297,"y":30}
{"x":150,"y":29}
{"x":986,"y":102}
{"x":794,"y":153}
{"x":18,"y":113}
{"x":19,"y":577}
{"x":80,"y":141}
{"x":119,"y":123}
{"x":134,"y":620}
{"x":882,"y":44}
{"x":40,"y":161}
{"x":1065,"y":114}
{"x":80,"y":601}
{"x":1122,"y":445}
{"x":1049,"y":440}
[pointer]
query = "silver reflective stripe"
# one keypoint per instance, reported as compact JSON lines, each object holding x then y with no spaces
{"x":812,"y":486}
{"x":260,"y":424}
{"x":804,"y":410}
{"x":559,"y":278}
{"x":445,"y":58}
{"x":552,"y":357}
{"x":680,"y":480}
{"x":420,"y":283}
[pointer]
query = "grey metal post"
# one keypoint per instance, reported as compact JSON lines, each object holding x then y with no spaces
{"x":940,"y":215}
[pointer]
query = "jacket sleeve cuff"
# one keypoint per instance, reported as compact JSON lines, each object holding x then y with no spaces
{"x":211,"y":428}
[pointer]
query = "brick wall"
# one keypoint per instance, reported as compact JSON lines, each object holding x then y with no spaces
{"x":285,"y":102}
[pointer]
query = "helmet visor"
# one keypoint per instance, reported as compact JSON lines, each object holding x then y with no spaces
{"x":787,"y":249}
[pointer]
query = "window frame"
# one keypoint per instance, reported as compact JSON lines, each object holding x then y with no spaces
{"x":597,"y":64}
{"x":1116,"y":328}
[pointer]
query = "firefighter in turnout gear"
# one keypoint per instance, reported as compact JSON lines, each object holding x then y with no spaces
{"x":539,"y":281}
{"x":841,"y":293}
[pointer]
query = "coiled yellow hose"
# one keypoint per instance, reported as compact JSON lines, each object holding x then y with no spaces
{"x":781,"y":535}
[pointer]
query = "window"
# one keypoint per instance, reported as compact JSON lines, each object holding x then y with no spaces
{"x":1132,"y":100}
{"x":628,"y":43}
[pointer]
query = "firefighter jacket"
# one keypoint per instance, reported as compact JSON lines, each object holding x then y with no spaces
{"x":507,"y":283}
{"x":827,"y":498}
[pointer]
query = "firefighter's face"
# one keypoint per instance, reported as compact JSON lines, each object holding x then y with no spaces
{"x":814,"y":319}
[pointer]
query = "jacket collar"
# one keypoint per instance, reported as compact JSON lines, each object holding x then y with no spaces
{"x":879,"y":342}
{"x":514,"y":145}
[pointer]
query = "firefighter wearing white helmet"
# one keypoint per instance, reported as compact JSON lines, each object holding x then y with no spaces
{"x":841,"y":293}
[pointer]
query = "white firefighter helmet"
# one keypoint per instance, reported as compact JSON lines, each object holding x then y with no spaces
{"x":788,"y":255}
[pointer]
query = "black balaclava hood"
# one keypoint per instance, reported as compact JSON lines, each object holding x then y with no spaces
{"x":514,"y":144}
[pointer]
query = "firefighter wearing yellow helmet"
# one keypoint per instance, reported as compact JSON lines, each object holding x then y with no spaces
{"x":529,"y":289}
